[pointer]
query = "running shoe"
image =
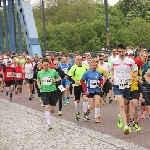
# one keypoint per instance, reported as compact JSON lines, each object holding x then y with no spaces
{"x":136,"y":127}
{"x":142,"y":116}
{"x":110,"y":100}
{"x":130,"y":120}
{"x":86,"y":117}
{"x":6,"y":93}
{"x":49,"y":127}
{"x":30,"y":98}
{"x":41,"y":100}
{"x":59,"y":113}
{"x":67,"y":101}
{"x":19,"y":96}
{"x":97,"y":120}
{"x":127,"y":130}
{"x":104,"y":103}
{"x":120,"y":123}
{"x":78,"y":116}
{"x":10,"y":100}
{"x":99,"y":115}
{"x":100,"y":105}
{"x":64,"y":102}
{"x":88,"y":111}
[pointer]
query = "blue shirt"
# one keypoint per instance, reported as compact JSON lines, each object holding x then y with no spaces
{"x":72,"y":59}
{"x":92,"y":79}
{"x":64,"y":67}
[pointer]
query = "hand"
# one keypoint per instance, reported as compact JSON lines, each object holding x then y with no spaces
{"x":87,"y":93}
{"x":39,"y":86}
{"x":102,"y":85}
{"x":131,"y":79}
{"x":140,"y":81}
{"x":77,"y":82}
{"x":54,"y":80}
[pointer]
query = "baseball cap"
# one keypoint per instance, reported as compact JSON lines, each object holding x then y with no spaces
{"x":28,"y":57}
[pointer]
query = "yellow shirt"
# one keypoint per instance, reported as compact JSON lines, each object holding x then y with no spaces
{"x":135,"y":82}
{"x":102,"y":71}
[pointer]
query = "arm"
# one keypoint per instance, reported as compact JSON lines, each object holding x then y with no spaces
{"x":147,"y":76}
{"x":83,"y":85}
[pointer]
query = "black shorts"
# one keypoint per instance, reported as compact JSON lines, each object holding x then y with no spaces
{"x":9,"y":83}
{"x":29,"y":81}
{"x":134,"y":95}
{"x":78,"y":91}
{"x":91,"y":95}
{"x":19,"y":82}
{"x":146,"y":94}
{"x":107,"y":86}
{"x":49,"y":98}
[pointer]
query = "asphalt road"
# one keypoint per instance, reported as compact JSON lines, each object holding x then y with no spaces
{"x":108,"y":121}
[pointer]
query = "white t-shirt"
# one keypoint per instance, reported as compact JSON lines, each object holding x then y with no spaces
{"x":106,"y":66}
{"x":85,"y":63}
{"x":6,"y":60}
{"x":122,"y":70}
{"x":28,"y":68}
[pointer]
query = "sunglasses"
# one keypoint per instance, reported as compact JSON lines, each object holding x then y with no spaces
{"x":79,"y":59}
{"x":101,"y":59}
{"x":56,"y":64}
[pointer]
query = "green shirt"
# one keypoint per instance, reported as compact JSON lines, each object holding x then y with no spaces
{"x":46,"y":78}
{"x":77,"y":72}
{"x":22,"y":61}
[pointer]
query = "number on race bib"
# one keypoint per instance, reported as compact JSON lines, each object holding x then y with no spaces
{"x":94,"y":83}
{"x":124,"y":84}
{"x":18,"y":75}
{"x":9,"y":74}
{"x":28,"y":75}
{"x":47,"y":80}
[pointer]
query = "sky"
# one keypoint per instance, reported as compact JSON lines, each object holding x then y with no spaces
{"x":111,"y":2}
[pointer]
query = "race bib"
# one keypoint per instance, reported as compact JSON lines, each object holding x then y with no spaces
{"x":47,"y":80}
{"x":93,"y":83}
{"x":9,"y":74}
{"x":29,"y":75}
{"x":18,"y":75}
{"x":124,"y":84}
{"x":65,"y":70}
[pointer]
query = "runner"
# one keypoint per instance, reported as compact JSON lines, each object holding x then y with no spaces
{"x":93,"y":79}
{"x":19,"y":77}
{"x":65,"y":82}
{"x":121,"y":69}
{"x":46,"y":80}
{"x":8,"y":74}
{"x":135,"y":93}
{"x":58,"y":85}
{"x":28,"y":71}
{"x":107,"y":88}
{"x":2,"y":66}
{"x":146,"y":82}
{"x":75,"y":74}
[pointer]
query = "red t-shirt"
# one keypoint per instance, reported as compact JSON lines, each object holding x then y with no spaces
{"x":8,"y":73}
{"x":51,"y":66}
{"x":19,"y":72}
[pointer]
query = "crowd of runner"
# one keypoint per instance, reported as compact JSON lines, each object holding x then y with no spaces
{"x":123,"y":77}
